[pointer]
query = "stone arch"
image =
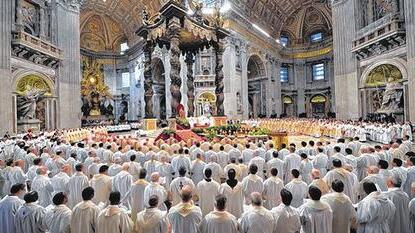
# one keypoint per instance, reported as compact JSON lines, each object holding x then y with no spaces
{"x":256,"y":63}
{"x":256,"y":86}
{"x":397,"y":62}
{"x":159,"y":88}
{"x":319,"y":104}
{"x":46,"y":111}
{"x":20,"y":75}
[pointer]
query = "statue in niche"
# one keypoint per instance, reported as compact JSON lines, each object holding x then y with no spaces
{"x":377,"y":100}
{"x":86,"y":107}
{"x":391,"y":101}
{"x":27,"y":103}
{"x":124,"y":108}
{"x":238,"y":57}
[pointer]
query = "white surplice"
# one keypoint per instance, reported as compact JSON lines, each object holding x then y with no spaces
{"x":76,"y":184}
{"x":84,"y":217}
{"x":122,"y":183}
{"x":176,"y":186}
{"x":136,"y":197}
{"x":287,"y":219}
{"x":8,"y":209}
{"x":114,"y":219}
{"x":257,"y":219}
{"x":219,"y":222}
{"x":349,"y":180}
{"x":316,"y":217}
{"x":185,"y":217}
{"x":42,"y":185}
{"x":272,"y":189}
{"x":102,"y":184}
{"x":399,"y":223}
{"x":250,"y":184}
{"x":235,"y":198}
{"x":299,"y":190}
{"x":159,"y":191}
{"x":344,"y":213}
{"x":207,"y":191}
{"x":151,"y":220}
{"x":58,"y":219}
{"x":29,"y":219}
{"x":372,"y":216}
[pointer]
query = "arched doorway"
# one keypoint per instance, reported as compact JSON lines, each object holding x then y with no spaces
{"x":319,"y":106}
{"x":206,"y":104}
{"x":383,"y":92}
{"x":288,"y":106}
{"x":35,"y":103}
{"x":159,"y":87}
{"x":256,"y":87}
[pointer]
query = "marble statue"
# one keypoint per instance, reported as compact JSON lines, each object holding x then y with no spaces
{"x":27,"y":103}
{"x":392,"y":98}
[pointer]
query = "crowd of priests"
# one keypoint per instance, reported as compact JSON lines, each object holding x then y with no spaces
{"x":120,"y":183}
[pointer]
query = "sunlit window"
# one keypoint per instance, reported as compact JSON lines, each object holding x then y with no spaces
{"x":284,"y":74}
{"x":316,"y":37}
{"x":124,"y":47}
{"x":318,"y":71}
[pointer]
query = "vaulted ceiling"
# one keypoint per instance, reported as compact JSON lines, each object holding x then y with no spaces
{"x":269,"y":14}
{"x":127,"y":13}
{"x":273,"y":14}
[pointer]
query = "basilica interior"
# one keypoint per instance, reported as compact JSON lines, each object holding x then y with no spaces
{"x":87,"y":62}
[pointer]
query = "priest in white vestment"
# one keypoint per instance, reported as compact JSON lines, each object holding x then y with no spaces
{"x":29,"y":217}
{"x":219,"y":220}
{"x":316,"y":216}
{"x":9,"y":206}
{"x":42,"y":185}
{"x":252,"y":183}
{"x":298,"y":188}
{"x":151,"y":219}
{"x":58,"y":218}
{"x":206,"y":191}
{"x":196,"y":170}
{"x":287,"y":218}
{"x":85,"y":214}
{"x":103,"y":184}
{"x":178,"y":183}
{"x":344,"y":214}
{"x":185,"y":216}
{"x":277,"y":163}
{"x":136,"y":195}
{"x":291,"y":161}
{"x":349,"y":179}
{"x":232,"y":189}
{"x":375,"y":211}
{"x":399,"y":223}
{"x":154,"y":188}
{"x":76,"y":184}
{"x":61,"y":180}
{"x":122,"y":182}
{"x":114,"y":219}
{"x":272,"y":188}
{"x":257,"y":218}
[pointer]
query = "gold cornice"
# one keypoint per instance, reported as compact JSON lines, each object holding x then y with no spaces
{"x":309,"y":54}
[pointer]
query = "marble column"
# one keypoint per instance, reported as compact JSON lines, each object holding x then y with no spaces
{"x":67,"y":37}
{"x":6,"y":101}
{"x":300,"y":80}
{"x":345,"y":63}
{"x":410,"y":47}
{"x":244,"y":81}
{"x":190,"y":84}
{"x":175,"y":78}
{"x":148,"y":80}
{"x":277,"y":89}
{"x":219,"y":91}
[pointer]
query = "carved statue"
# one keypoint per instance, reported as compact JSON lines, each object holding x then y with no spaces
{"x":146,"y":16}
{"x":392,"y":96}
{"x":27,"y":103}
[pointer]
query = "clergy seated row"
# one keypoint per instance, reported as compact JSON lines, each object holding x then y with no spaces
{"x":378,"y":212}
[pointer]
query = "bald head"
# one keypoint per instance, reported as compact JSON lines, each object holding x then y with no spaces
{"x":315,"y":174}
{"x":125,"y":166}
{"x":155,"y":176}
{"x":256,"y":199}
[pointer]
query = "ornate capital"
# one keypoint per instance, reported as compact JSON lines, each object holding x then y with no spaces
{"x":72,"y":5}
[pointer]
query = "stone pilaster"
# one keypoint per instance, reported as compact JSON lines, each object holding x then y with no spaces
{"x":6,"y":101}
{"x":67,"y":34}
{"x":410,"y":47}
{"x":244,"y":80}
{"x":300,"y":82}
{"x":345,"y":64}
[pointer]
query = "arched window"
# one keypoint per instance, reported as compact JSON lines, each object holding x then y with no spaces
{"x":316,"y":37}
